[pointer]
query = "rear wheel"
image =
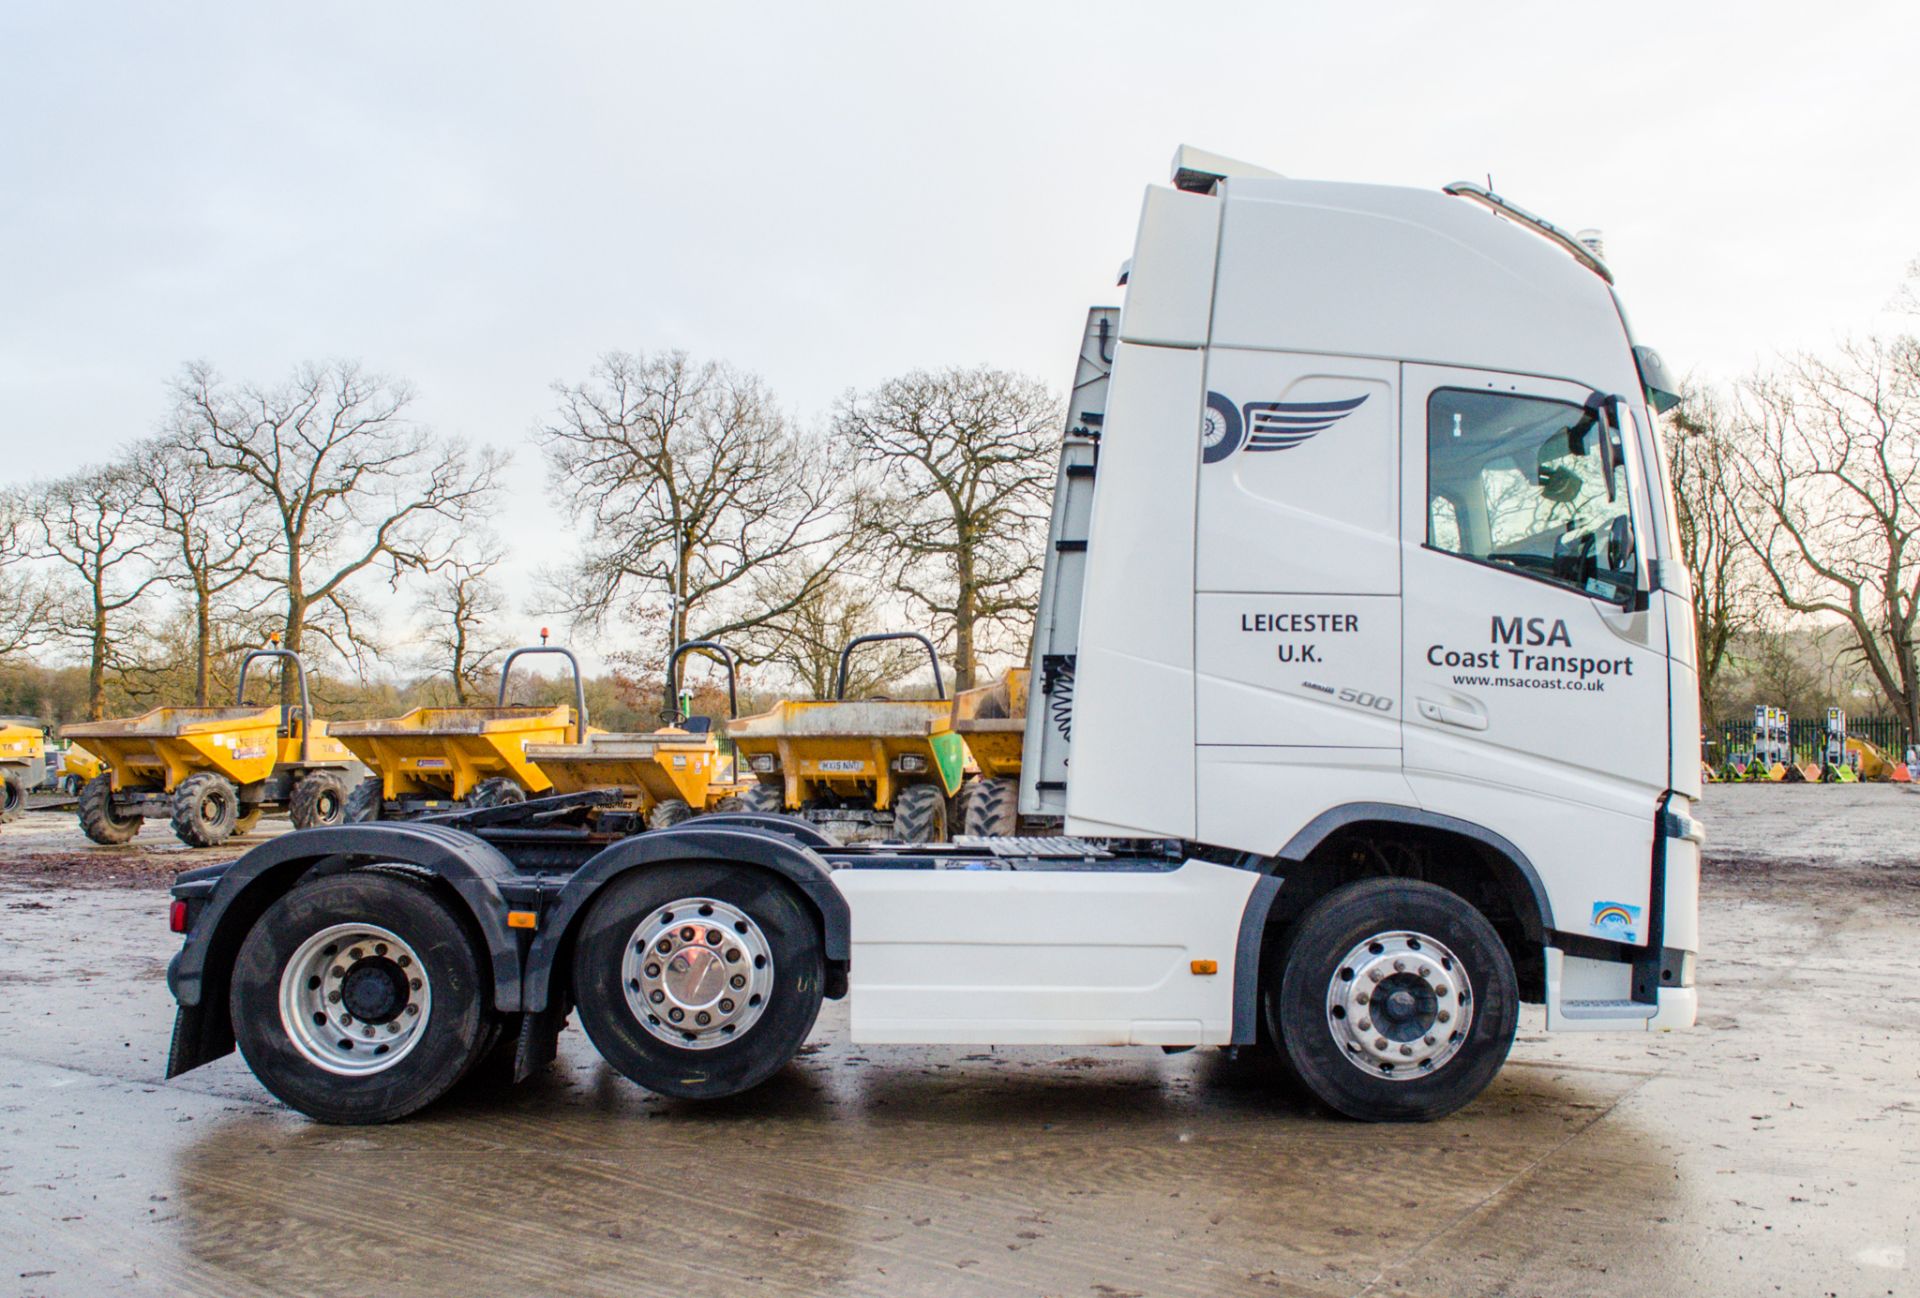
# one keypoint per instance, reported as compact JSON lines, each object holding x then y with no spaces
{"x":665,"y":815}
{"x":698,"y":981}
{"x":13,"y":796}
{"x":365,"y":802}
{"x":98,"y":820}
{"x":1397,"y":1001}
{"x":497,"y":792}
{"x":993,"y":809}
{"x":919,"y":814}
{"x":768,"y":799}
{"x":319,"y":798}
{"x":206,"y":808}
{"x":357,"y":998}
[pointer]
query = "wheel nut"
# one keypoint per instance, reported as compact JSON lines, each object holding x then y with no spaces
{"x":703,"y":1018}
{"x":1379,"y":1043}
{"x":656,"y":996}
{"x":404,"y":961}
{"x":414,"y":983}
{"x":413,"y":1010}
{"x":347,"y":1020}
{"x":354,"y":954}
{"x":1366,"y":1025}
{"x":339,"y":971}
{"x":1361,"y":999}
{"x":726,"y":1006}
{"x":1445,"y":1016}
{"x":1406,"y":1050}
{"x":663,"y":946}
{"x":713,"y":937}
{"x":737,"y":981}
{"x":379,"y":948}
{"x":1374,"y":974}
{"x":1399,"y":966}
{"x":686,"y":934}
{"x":676,"y":1014}
{"x":653,"y":970}
{"x":1440,"y":989}
{"x":1430,"y":1041}
{"x":733,"y":956}
{"x":333,"y":997}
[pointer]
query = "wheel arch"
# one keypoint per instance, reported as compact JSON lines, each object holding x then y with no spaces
{"x":463,"y":867}
{"x":739,"y":843}
{"x":1346,"y":843}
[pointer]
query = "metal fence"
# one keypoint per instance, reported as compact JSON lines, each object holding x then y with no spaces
{"x":1808,"y":735}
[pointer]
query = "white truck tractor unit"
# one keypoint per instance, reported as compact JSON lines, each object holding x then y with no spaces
{"x":1363,"y":688}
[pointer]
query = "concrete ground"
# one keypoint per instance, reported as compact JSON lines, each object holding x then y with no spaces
{"x":1774,"y":1150}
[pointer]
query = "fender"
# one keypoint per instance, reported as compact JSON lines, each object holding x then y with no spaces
{"x":801,"y":831}
{"x":471,"y":866}
{"x":1315,"y":831}
{"x":736,"y":843}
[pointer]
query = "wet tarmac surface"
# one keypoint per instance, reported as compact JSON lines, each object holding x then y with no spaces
{"x":1776,"y":1149}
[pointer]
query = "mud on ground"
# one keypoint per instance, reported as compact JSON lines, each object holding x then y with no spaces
{"x":1774,"y":1149}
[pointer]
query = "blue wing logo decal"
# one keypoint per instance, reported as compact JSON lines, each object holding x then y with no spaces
{"x":1283,"y":425}
{"x":1267,"y":425}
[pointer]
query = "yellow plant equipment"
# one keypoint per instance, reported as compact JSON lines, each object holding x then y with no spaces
{"x":991,"y":719}
{"x":213,"y":771}
{"x":873,"y":768}
{"x":23,"y":763}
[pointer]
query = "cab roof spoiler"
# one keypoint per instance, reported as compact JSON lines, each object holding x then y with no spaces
{"x":1514,"y":212}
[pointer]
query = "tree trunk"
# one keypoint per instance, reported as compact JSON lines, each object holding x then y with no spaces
{"x":97,"y":661}
{"x":202,"y":646}
{"x":963,"y":611}
{"x":292,"y":638}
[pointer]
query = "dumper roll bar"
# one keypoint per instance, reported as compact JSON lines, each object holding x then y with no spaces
{"x":579,"y":685}
{"x":300,"y":671}
{"x":939,"y":687}
{"x":673,"y":675}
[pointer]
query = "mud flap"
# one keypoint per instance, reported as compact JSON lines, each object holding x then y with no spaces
{"x":198,"y":1038}
{"x":539,"y":1040}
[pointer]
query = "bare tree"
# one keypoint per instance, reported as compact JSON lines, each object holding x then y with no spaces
{"x":831,"y":610}
{"x":216,"y":538}
{"x":1726,"y":597}
{"x":461,"y":606}
{"x":966,"y":457}
{"x":694,"y":491}
{"x":98,"y":528}
{"x":1829,"y":461}
{"x":349,"y":481}
{"x":26,"y":598}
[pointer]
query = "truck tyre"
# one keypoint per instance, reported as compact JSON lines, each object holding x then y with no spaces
{"x":13,"y":796}
{"x":768,"y":799}
{"x":993,"y":809}
{"x":319,"y":798}
{"x":357,"y":998}
{"x":919,"y":815}
{"x":1397,"y":1001}
{"x":247,"y":820}
{"x":206,"y":807}
{"x":364,"y":802}
{"x":665,"y":815}
{"x":73,"y":784}
{"x":496,"y":792}
{"x":698,"y":981}
{"x":98,"y":820}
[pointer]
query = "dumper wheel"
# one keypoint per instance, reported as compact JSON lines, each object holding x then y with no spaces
{"x":247,"y":820}
{"x":768,"y":799}
{"x":206,"y":808}
{"x":13,"y":796}
{"x":1396,"y":1001}
{"x":320,"y":798}
{"x":665,"y":815}
{"x":358,"y":998}
{"x":698,"y":981}
{"x":98,"y":820}
{"x":364,"y":802}
{"x":497,"y":792}
{"x":919,"y":814}
{"x":73,"y":784}
{"x":993,"y":809}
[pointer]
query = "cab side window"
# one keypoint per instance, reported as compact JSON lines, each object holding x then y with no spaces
{"x":1532,"y":485}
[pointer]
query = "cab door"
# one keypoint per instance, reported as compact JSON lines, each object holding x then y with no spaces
{"x":1535,"y":672}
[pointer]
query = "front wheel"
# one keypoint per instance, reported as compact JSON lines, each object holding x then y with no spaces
{"x":319,"y":798}
{"x":500,"y":791}
{"x":364,"y":802}
{"x":1396,"y":1001}
{"x":668,"y":813}
{"x":99,"y":820}
{"x":206,"y":810}
{"x":919,"y":814}
{"x":357,"y":998}
{"x":13,"y":796}
{"x":698,"y":981}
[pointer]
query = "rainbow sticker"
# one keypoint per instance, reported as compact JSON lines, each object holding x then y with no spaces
{"x":1615,"y":920}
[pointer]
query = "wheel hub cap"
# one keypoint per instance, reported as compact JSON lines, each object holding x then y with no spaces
{"x":1399,"y":1005}
{"x":697,"y":973}
{"x":354,"y":999}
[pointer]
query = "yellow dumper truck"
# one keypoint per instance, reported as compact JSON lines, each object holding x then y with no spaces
{"x":212,"y":771}
{"x":23,"y":763}
{"x":666,"y":775}
{"x":991,"y":718}
{"x":443,"y":759}
{"x":869,"y":768}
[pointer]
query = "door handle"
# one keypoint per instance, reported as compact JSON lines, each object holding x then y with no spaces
{"x":1467,"y":718}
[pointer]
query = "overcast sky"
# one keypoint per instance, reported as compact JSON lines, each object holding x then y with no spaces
{"x":482,"y":198}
